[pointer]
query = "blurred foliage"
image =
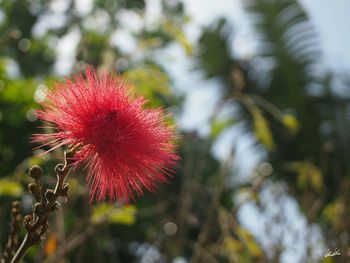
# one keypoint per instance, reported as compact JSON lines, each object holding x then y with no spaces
{"x":10,"y":188}
{"x":219,"y":125}
{"x":113,"y":215}
{"x":283,"y":100}
{"x":151,"y":82}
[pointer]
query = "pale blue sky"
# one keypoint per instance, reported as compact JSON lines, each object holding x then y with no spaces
{"x":330,"y":17}
{"x":332,"y":20}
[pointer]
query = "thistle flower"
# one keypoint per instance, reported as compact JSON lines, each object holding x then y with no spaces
{"x":125,"y":148}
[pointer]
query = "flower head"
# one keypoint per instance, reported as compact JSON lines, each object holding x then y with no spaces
{"x":124,"y":147}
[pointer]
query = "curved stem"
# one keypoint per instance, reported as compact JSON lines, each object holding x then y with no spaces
{"x":37,"y":223}
{"x":26,"y":244}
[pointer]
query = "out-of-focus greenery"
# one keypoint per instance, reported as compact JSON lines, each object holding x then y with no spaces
{"x":282,"y":99}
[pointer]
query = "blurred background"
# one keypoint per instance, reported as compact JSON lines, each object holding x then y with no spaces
{"x":260,"y":92}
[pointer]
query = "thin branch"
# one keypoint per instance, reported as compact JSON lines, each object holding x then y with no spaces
{"x":36,"y":224}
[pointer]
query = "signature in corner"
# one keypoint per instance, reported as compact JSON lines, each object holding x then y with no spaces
{"x":330,"y":253}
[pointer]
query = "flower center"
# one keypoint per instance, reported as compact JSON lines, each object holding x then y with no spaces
{"x":111,"y":115}
{"x":103,"y":129}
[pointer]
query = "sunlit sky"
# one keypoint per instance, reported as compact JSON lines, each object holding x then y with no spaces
{"x":331,"y":19}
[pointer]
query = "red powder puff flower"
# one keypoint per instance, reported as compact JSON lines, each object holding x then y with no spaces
{"x":125,"y":147}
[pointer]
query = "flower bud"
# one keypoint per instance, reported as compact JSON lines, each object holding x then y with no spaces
{"x":36,"y":172}
{"x":27,"y":221}
{"x":50,"y":195}
{"x":37,"y":208}
{"x":64,"y":191}
{"x":16,"y":205}
{"x":32,"y":188}
{"x":56,"y":206}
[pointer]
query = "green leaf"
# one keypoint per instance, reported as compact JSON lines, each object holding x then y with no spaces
{"x":260,"y":124}
{"x":290,"y":122}
{"x":218,"y":126}
{"x":19,"y":91}
{"x":262,"y":129}
{"x":307,"y":175}
{"x":333,"y":212}
{"x":179,"y":35}
{"x":150,"y":81}
{"x":246,"y":237}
